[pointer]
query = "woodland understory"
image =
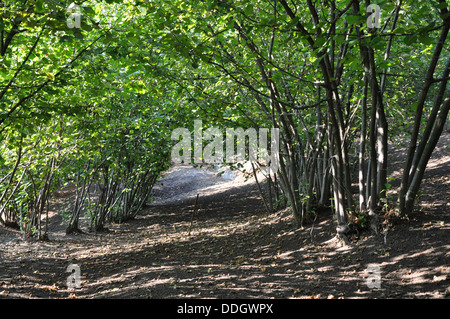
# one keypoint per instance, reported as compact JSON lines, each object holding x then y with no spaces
{"x":96,"y":95}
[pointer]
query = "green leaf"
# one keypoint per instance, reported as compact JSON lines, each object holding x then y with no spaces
{"x":441,"y":5}
{"x":410,"y":39}
{"x":86,"y":27}
{"x":66,"y":38}
{"x":377,"y":43}
{"x":50,"y":76}
{"x":249,"y":10}
{"x":320,"y":41}
{"x":354,"y":19}
{"x":89,"y":10}
{"x":426,"y":39}
{"x":78,"y":35}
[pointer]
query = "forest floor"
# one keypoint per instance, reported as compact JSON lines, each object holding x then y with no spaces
{"x":234,"y":249}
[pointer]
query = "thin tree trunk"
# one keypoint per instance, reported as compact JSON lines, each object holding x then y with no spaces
{"x":425,"y":157}
{"x":13,"y":173}
{"x":268,"y":210}
{"x":431,"y":120}
{"x":405,"y":182}
{"x":362,"y":148}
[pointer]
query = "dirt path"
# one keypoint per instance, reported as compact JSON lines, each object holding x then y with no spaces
{"x":235,"y":250}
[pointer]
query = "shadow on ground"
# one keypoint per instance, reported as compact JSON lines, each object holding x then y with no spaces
{"x":235,"y":251}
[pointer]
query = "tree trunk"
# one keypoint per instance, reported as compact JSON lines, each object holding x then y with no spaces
{"x":362,"y":148}
{"x":425,"y":157}
{"x":406,"y":180}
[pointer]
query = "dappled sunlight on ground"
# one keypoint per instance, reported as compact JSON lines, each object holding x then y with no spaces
{"x":234,"y":250}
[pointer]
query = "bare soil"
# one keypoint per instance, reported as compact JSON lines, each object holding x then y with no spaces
{"x":234,"y":249}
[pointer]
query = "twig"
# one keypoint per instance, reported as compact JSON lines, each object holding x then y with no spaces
{"x":192,"y":216}
{"x":260,"y":191}
{"x":312,"y":228}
